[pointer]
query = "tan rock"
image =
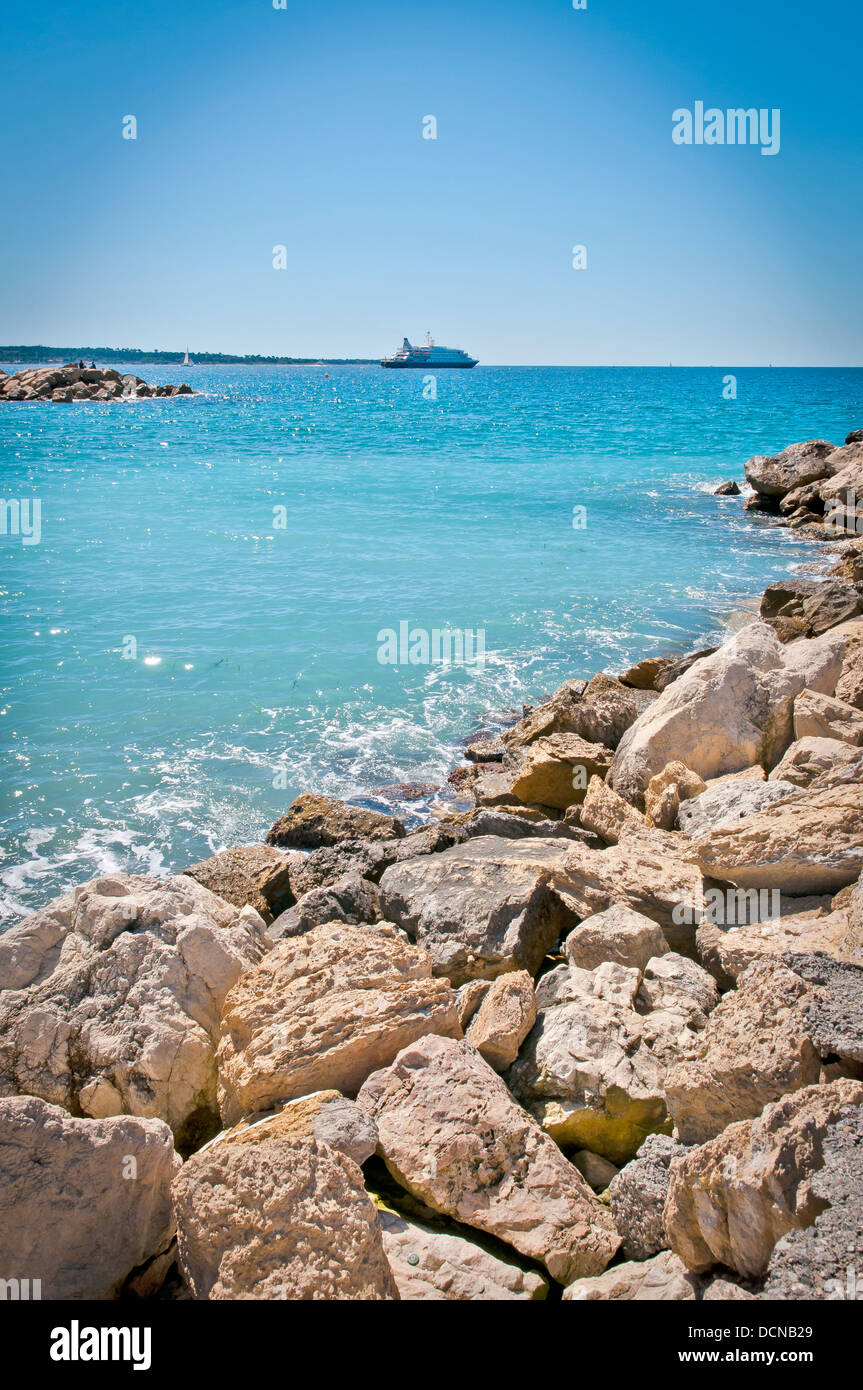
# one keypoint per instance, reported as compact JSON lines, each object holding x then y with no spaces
{"x":452,"y":1135}
{"x":83,"y":1203}
{"x":730,"y":710}
{"x":618,"y":934}
{"x":732,"y":1199}
{"x":312,"y":821}
{"x":757,"y":1046}
{"x":286,"y":1218}
{"x":662,"y":1279}
{"x":800,"y":924}
{"x":253,"y":874}
{"x":638,"y":872}
{"x":808,"y":758}
{"x":593,"y":1069}
{"x":326,"y":1116}
{"x":675,"y":783}
{"x":556,"y":770}
{"x":606,"y":814}
{"x":481,"y":908}
{"x":605,"y":711}
{"x":811,"y":842}
{"x":597,"y":1171}
{"x":849,"y":687}
{"x":794,"y":467}
{"x":439,"y":1265}
{"x":819,"y":716}
{"x":504,"y":1019}
{"x":755,"y":773}
{"x":324,"y":1010}
{"x":112,"y":999}
{"x":553,"y":716}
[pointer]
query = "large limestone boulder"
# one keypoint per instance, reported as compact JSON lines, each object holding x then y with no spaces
{"x":324,"y":1010}
{"x":729,"y":803}
{"x":822,"y":1261}
{"x":820,"y":716}
{"x":556,"y":770}
{"x":593,"y":1069}
{"x":312,"y":821}
{"x":284,"y":1218}
{"x":504,"y":1018}
{"x":662,"y":1279}
{"x":599,"y":711}
{"x":849,"y":687}
{"x":332,"y":1118}
{"x":793,"y":467}
{"x":452,"y":1135}
{"x":641,"y":872}
{"x":730,"y":1200}
{"x":637,"y":1196}
{"x":809,"y":842}
{"x":437,"y":1265}
{"x":83,"y":1203}
{"x":808,"y":758}
{"x":770,"y":1036}
{"x":771,"y":927}
{"x":731,"y":709}
{"x":112,"y":996}
{"x":556,"y":715}
{"x":480,"y":908}
{"x":618,"y":934}
{"x":253,"y":874}
{"x":807,"y":607}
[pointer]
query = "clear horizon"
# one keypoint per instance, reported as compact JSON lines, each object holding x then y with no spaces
{"x":303,"y":128}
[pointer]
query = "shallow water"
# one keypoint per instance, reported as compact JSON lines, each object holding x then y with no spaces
{"x":256,"y":674}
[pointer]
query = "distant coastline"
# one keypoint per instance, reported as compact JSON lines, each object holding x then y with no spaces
{"x":38,"y":353}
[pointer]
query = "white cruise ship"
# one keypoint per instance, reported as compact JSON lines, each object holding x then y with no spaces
{"x":429,"y":355}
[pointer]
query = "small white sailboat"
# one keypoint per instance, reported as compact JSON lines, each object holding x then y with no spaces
{"x":187,"y":361}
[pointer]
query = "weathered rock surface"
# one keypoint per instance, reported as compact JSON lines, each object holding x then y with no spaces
{"x":728,"y":803}
{"x":350,"y":899}
{"x":552,"y":716}
{"x":618,"y":934}
{"x":452,"y":1135}
{"x":593,"y":1069}
{"x":675,"y":783}
{"x":823,"y":1261}
{"x":322,"y":1011}
{"x":606,"y":814}
{"x":810,"y":842}
{"x":727,"y":489}
{"x":820,"y":716}
{"x":793,"y":467}
{"x":768,"y":1038}
{"x":330,"y":1117}
{"x":112,"y":997}
{"x":313,"y":821}
{"x":284,"y":1218}
{"x":638,"y":872}
{"x":662,"y":1279}
{"x":505,"y":1016}
{"x":730,"y":710}
{"x":807,"y":607}
{"x":596,"y":1170}
{"x":481,"y":908}
{"x":808,"y":758}
{"x":642,"y":676}
{"x":637,"y":1197}
{"x":83,"y":1203}
{"x":556,"y":770}
{"x":730,"y":1200}
{"x":369,"y":858}
{"x":429,"y":1264}
{"x":757,"y":928}
{"x":253,"y":874}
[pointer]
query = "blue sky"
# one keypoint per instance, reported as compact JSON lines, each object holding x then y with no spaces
{"x":303,"y":127}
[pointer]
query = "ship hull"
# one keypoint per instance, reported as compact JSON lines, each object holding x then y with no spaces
{"x":431,"y":366}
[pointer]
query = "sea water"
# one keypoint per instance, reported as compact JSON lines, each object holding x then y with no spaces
{"x":195,"y":638}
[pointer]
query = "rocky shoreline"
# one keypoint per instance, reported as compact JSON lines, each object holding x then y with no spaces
{"x":597,"y":1036}
{"x":75,"y":381}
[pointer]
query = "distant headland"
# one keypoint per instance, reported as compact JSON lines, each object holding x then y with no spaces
{"x":103,"y":354}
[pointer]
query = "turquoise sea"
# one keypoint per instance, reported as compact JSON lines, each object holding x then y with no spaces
{"x":255,"y":673}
